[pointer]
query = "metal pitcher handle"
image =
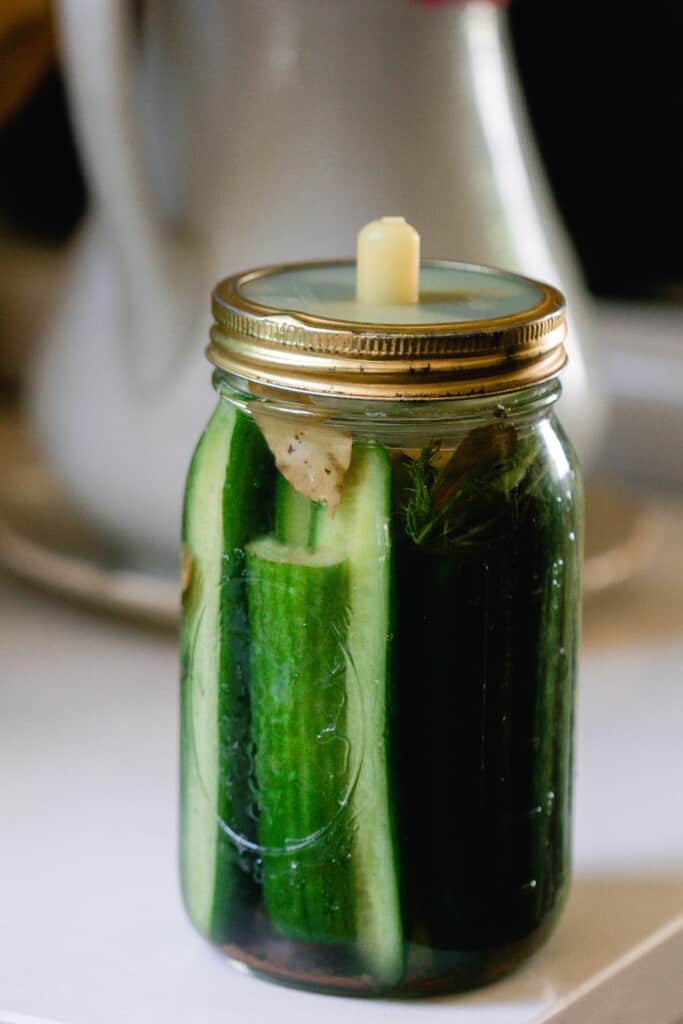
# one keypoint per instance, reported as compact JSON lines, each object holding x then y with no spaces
{"x":97,"y":40}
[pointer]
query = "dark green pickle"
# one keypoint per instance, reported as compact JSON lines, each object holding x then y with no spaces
{"x":377,"y":797}
{"x":488,"y":623}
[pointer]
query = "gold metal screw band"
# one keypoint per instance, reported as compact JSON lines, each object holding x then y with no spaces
{"x":306,"y":353}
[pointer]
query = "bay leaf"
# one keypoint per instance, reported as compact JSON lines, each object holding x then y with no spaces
{"x":480,"y":447}
{"x":312,"y":456}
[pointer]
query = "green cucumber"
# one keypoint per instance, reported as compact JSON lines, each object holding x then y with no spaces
{"x":360,"y":533}
{"x":228,"y":500}
{"x":294,"y":515}
{"x":297,"y":614}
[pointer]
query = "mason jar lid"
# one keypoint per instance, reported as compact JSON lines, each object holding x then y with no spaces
{"x":474,"y":331}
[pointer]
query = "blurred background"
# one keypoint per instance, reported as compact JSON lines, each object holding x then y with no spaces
{"x":590,"y":111}
{"x":148,"y":148}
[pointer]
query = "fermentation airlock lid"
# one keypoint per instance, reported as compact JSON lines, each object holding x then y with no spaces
{"x":474,"y":330}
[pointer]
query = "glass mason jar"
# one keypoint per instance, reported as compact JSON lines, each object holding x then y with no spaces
{"x":381,"y":586}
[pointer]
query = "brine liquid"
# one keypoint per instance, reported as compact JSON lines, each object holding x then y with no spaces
{"x":480,"y":679}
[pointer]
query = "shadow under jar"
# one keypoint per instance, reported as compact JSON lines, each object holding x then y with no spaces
{"x":377,"y":703}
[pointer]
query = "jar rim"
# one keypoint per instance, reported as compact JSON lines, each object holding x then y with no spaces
{"x":380,"y":419}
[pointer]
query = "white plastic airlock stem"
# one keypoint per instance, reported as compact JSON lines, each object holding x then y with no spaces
{"x":388,"y":263}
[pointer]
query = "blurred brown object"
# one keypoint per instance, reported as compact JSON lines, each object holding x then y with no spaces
{"x":26,"y":50}
{"x":29,"y":284}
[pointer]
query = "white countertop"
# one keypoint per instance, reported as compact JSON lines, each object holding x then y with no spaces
{"x":92,"y":926}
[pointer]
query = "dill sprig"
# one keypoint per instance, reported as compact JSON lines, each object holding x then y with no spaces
{"x":418,"y":509}
{"x":462,"y":502}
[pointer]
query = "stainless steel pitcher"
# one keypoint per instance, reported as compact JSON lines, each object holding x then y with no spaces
{"x":238,"y":132}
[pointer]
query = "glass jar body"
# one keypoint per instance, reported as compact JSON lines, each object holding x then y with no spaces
{"x":377,"y":705}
